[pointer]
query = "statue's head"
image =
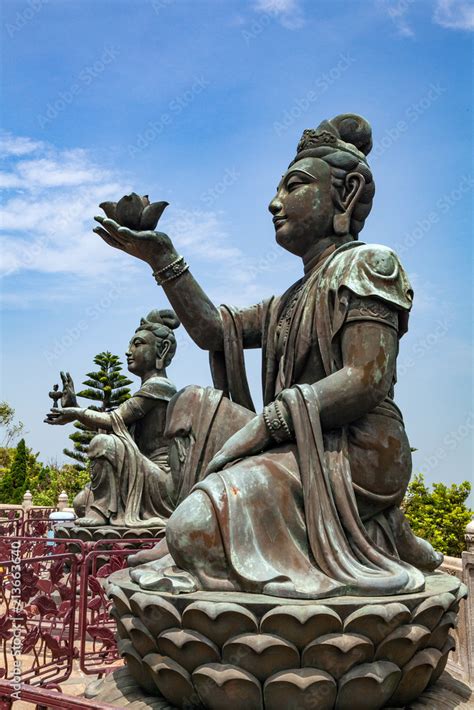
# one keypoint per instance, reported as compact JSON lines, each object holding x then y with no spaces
{"x":328,"y":188}
{"x":154,"y":344}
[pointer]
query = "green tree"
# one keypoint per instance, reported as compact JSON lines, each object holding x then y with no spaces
{"x":14,"y":482}
{"x":108,"y":388}
{"x":52,"y":480}
{"x":11,"y":430}
{"x":439,"y":515}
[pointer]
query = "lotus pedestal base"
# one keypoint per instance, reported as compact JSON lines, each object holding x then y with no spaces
{"x":107,"y":532}
{"x":226,"y":651}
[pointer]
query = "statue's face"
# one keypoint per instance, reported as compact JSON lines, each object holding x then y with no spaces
{"x":302,"y":208}
{"x":141,"y":353}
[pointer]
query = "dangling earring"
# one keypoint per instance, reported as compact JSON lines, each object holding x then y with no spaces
{"x":341,"y":224}
{"x":159,"y":363}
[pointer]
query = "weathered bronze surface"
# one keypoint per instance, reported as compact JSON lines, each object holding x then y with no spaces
{"x":233,"y":651}
{"x":131,"y":482}
{"x":302,"y":500}
{"x":288,"y":576}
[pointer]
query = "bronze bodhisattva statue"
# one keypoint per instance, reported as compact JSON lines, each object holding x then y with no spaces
{"x":301,"y":500}
{"x":288,"y":576}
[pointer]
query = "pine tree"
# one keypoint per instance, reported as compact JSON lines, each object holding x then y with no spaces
{"x":107,"y":387}
{"x":14,"y":482}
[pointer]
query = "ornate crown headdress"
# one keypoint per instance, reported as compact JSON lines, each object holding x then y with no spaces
{"x":326,"y":136}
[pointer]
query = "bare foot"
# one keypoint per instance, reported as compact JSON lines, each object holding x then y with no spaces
{"x":151,"y":554}
{"x":171,"y":579}
{"x":154,"y":567}
{"x":92,"y":520}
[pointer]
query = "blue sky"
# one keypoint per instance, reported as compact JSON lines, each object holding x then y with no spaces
{"x":202,"y":103}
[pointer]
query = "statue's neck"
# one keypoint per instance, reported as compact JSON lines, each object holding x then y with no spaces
{"x":320,"y":250}
{"x":153,"y":373}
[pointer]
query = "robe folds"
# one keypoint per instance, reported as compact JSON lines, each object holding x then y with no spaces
{"x":136,"y":488}
{"x":308,"y":519}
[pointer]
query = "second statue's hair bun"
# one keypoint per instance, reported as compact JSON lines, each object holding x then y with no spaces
{"x":164,"y":317}
{"x":354,"y":129}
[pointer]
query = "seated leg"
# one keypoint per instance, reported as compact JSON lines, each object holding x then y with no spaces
{"x":195,"y":545}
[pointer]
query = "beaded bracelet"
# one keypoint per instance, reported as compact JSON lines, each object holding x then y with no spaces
{"x":170,"y":272}
{"x":276,"y":423}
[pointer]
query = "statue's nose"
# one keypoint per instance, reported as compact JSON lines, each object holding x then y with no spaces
{"x":275,"y":206}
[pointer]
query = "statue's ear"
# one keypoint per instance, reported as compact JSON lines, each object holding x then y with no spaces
{"x":347,"y":198}
{"x":161,"y":353}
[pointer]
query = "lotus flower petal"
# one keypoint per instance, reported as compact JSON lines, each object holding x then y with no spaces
{"x":129,"y":210}
{"x":145,"y":200}
{"x":151,"y":214}
{"x":110,"y":209}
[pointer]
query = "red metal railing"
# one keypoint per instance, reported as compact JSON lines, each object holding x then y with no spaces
{"x":98,"y":651}
{"x":60,"y":614}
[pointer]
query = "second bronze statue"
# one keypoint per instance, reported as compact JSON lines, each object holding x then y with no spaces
{"x":131,"y":482}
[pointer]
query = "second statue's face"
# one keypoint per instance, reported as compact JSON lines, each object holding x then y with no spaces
{"x":141,"y":353}
{"x":303,"y":209}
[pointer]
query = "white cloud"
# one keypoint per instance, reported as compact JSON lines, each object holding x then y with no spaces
{"x":16,"y":145}
{"x":454,"y":14}
{"x":288,"y":12}
{"x":48,"y":212}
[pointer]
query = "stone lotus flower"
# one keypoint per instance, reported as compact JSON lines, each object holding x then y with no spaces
{"x":135,"y":212}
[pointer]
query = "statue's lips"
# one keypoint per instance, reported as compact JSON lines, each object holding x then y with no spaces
{"x":277,"y":221}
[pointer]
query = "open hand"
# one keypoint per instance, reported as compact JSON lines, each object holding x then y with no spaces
{"x":155,"y":248}
{"x":61,"y":416}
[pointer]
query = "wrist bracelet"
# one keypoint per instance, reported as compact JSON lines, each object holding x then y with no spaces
{"x":170,"y":272}
{"x":276,"y":424}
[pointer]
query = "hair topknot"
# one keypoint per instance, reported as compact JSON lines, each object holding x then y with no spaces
{"x":354,"y":129}
{"x":164,"y":317}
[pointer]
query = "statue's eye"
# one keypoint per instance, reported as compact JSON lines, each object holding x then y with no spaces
{"x":294,"y":183}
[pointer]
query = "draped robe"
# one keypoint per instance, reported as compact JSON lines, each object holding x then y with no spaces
{"x":306,"y":519}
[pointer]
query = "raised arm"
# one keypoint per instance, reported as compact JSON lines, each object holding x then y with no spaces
{"x":193,"y":307}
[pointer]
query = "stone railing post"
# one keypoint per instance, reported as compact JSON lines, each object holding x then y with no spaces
{"x":468,"y":579}
{"x":27,"y":502}
{"x":63,"y":500}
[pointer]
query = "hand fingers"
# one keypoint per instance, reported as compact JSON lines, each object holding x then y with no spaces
{"x":63,"y":378}
{"x":112,"y":227}
{"x":132,"y":235}
{"x":107,"y":238}
{"x":217,"y":463}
